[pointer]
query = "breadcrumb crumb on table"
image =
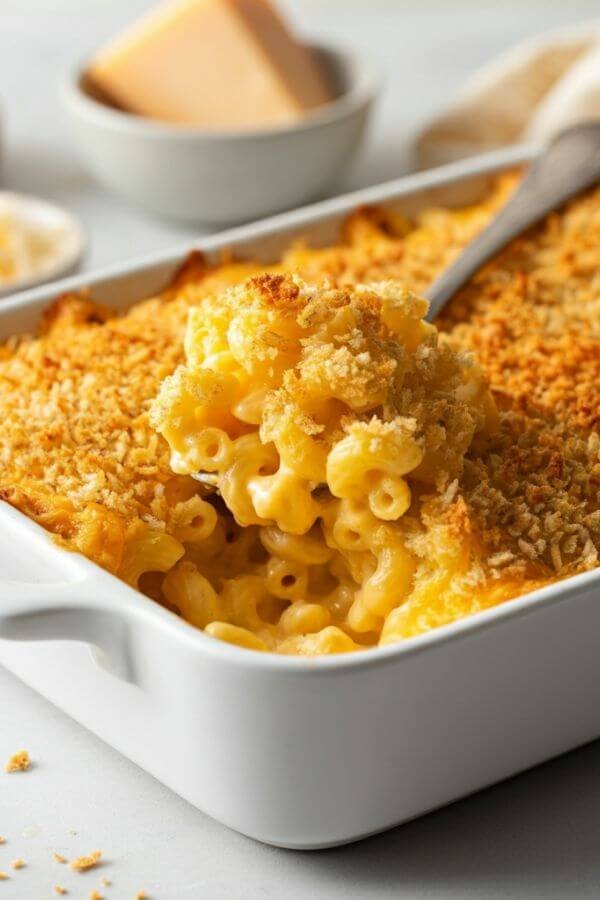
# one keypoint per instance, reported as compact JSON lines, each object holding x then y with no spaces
{"x":59,"y":889}
{"x":3,"y":876}
{"x":59,"y":858}
{"x":105,"y":882}
{"x":96,"y":895}
{"x":19,"y":762}
{"x":2,"y":839}
{"x":18,"y":864}
{"x":83,"y":863}
{"x":141,"y":895}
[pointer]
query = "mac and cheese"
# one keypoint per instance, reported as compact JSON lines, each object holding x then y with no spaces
{"x":325,"y":417}
{"x":335,"y":474}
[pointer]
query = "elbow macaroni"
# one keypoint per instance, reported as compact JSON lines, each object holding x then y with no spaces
{"x":319,"y":423}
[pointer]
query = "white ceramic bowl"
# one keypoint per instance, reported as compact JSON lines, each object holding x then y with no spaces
{"x":63,"y":232}
{"x":196,"y":175}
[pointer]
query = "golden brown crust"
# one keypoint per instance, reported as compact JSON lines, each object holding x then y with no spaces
{"x":532,"y":318}
{"x":276,"y":290}
{"x":68,"y":310}
{"x":192,"y":269}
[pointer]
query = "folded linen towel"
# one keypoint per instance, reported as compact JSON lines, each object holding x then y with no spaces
{"x":526,"y":95}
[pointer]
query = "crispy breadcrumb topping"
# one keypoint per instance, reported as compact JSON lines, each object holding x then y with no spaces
{"x":532,"y":319}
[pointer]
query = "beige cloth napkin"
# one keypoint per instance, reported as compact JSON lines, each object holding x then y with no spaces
{"x":527,"y":94}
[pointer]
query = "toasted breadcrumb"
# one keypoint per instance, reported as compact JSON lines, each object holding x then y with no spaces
{"x":19,"y":762}
{"x":3,"y":876}
{"x":17,"y":864}
{"x":105,"y":882}
{"x":2,"y":839}
{"x":59,"y":858}
{"x":141,"y":895}
{"x":96,"y":895}
{"x":532,"y":319}
{"x":59,"y":889}
{"x":83,"y":863}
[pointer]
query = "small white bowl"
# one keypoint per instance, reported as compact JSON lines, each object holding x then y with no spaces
{"x":61,"y":231}
{"x":196,"y":175}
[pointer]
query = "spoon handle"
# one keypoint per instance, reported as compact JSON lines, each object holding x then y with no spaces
{"x":569,"y":164}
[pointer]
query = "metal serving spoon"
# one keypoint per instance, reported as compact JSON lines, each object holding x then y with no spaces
{"x":566,"y":167}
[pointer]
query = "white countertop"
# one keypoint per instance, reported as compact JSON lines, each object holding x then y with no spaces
{"x":535,"y":836}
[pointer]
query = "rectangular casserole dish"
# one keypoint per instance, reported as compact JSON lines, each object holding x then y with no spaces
{"x":296,"y":752}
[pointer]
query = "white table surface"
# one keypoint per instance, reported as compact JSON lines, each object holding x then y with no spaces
{"x":535,"y":836}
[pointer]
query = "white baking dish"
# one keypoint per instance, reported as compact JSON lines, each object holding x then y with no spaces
{"x":296,"y":752}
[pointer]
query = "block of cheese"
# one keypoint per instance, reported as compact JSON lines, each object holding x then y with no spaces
{"x":217,"y":64}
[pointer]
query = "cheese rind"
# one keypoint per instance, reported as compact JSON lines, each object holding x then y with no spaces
{"x":221,"y":64}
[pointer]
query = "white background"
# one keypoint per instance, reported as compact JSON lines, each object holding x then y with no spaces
{"x":536,"y":836}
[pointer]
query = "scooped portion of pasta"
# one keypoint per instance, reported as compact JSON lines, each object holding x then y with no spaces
{"x":331,"y":424}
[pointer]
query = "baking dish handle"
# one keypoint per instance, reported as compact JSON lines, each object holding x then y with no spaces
{"x":68,"y":611}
